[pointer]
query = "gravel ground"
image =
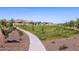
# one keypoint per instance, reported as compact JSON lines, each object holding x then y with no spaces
{"x":21,"y":44}
{"x":66,"y":44}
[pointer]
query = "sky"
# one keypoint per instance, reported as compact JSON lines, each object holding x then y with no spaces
{"x":43,"y":14}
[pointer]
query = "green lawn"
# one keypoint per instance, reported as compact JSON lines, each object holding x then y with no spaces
{"x":46,"y":32}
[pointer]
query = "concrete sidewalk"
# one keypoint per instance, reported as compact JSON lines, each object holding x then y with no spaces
{"x":35,"y":43}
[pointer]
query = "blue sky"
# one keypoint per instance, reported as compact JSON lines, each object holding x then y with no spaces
{"x":44,"y":14}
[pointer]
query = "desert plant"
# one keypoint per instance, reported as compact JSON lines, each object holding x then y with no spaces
{"x":53,"y":42}
{"x":20,"y":32}
{"x":63,"y":47}
{"x":6,"y":27}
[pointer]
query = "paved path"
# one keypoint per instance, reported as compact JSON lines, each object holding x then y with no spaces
{"x":35,"y":43}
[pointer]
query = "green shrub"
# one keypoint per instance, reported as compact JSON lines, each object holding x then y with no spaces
{"x":6,"y":27}
{"x":63,"y":47}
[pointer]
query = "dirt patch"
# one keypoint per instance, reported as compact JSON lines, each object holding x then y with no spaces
{"x":14,"y":42}
{"x":66,"y":44}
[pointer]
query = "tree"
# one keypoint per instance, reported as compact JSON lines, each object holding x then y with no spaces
{"x":71,"y":23}
{"x":77,"y":21}
{"x":6,"y":27}
{"x":11,"y":23}
{"x":3,"y":22}
{"x":65,"y":24}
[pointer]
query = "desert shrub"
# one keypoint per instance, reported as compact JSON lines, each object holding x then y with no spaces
{"x":5,"y":32}
{"x":53,"y":42}
{"x":20,"y":32}
{"x":20,"y":39}
{"x":63,"y":47}
{"x":6,"y":27}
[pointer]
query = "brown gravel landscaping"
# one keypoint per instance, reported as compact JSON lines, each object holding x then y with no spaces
{"x":66,"y":44}
{"x":14,"y":42}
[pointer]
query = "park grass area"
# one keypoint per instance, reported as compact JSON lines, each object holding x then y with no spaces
{"x":48,"y":32}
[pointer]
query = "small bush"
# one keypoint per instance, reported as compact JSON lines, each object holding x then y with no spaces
{"x":20,"y":39}
{"x":20,"y":32}
{"x":63,"y":47}
{"x":53,"y":42}
{"x":6,"y":27}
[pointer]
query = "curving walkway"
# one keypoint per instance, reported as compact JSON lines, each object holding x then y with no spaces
{"x":35,"y":43}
